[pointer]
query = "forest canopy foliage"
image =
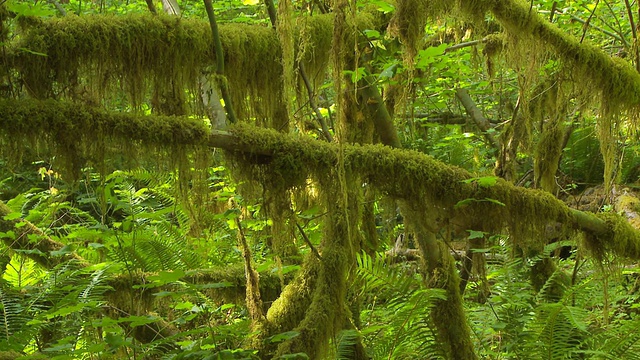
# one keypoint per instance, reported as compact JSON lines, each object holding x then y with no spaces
{"x":405,"y":179}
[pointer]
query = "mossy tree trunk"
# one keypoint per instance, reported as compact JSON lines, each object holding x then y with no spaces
{"x":439,"y":271}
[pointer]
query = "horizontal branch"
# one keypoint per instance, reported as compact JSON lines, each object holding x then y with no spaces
{"x":444,"y":191}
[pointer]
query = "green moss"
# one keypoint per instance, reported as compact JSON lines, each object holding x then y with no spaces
{"x":449,"y":315}
{"x":78,"y":134}
{"x":149,"y":54}
{"x":616,"y":79}
{"x":548,"y":152}
{"x":621,"y":239}
{"x":160,"y":59}
{"x":421,"y":180}
{"x":408,"y":24}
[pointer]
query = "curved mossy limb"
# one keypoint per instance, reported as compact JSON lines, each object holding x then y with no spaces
{"x":616,"y":236}
{"x":289,"y":309}
{"x":440,"y":272}
{"x":448,"y":315}
{"x":326,"y":314}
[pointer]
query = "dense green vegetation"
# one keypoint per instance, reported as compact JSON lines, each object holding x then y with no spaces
{"x":380,"y":179}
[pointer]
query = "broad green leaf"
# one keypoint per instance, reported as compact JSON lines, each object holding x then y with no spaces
{"x":487,"y":181}
{"x":473,"y":234}
{"x":283,"y":336}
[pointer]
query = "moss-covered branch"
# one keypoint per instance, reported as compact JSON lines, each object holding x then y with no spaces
{"x":616,"y":79}
{"x":446,"y":191}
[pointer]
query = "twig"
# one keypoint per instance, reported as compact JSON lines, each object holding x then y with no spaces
{"x":271,"y":9}
{"x":464,"y":45}
{"x":306,"y":239}
{"x":586,"y":24}
{"x":59,"y":7}
{"x":312,"y":103}
{"x":634,"y":34}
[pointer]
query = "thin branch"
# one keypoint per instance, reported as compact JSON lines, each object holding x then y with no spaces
{"x":585,"y":26}
{"x":634,"y":34}
{"x":312,"y":103}
{"x":271,"y":9}
{"x":476,"y":115}
{"x":59,"y":7}
{"x":306,"y":239}
{"x":464,"y":45}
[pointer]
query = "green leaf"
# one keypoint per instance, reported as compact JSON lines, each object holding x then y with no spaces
{"x":382,"y":6}
{"x":372,"y":34}
{"x":12,"y":216}
{"x":389,"y":72}
{"x":165,"y":277}
{"x":114,"y":340}
{"x":67,"y":249}
{"x":464,"y":202}
{"x":487,"y":181}
{"x":70,"y":309}
{"x":473,"y":234}
{"x":283,"y":336}
{"x":139,"y":320}
{"x":429,"y":55}
{"x":26,"y":9}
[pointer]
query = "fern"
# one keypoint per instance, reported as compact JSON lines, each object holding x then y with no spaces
{"x":559,"y":331}
{"x":402,"y":328}
{"x":13,"y":318}
{"x":620,"y":342}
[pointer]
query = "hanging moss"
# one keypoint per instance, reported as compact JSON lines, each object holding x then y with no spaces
{"x":617,"y":80}
{"x":419,"y":178}
{"x":621,"y":239}
{"x":607,"y":137}
{"x":77,"y":134}
{"x":408,"y":22}
{"x":161,"y":57}
{"x":142,"y":52}
{"x":547,"y":157}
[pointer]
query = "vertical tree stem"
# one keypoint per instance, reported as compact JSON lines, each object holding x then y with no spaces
{"x":271,"y":9}
{"x":217,"y":45}
{"x":152,"y":7}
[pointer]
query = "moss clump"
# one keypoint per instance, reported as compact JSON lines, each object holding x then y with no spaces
{"x":621,"y":239}
{"x":408,"y":24}
{"x":78,"y":134}
{"x":146,"y":54}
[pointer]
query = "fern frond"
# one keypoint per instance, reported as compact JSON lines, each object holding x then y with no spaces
{"x":560,"y":329}
{"x":619,"y":342}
